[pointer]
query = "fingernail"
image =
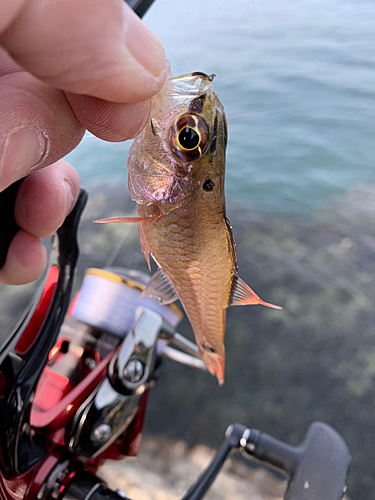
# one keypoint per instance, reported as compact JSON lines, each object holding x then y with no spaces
{"x":70,"y":195}
{"x":22,"y":151}
{"x":143,"y":44}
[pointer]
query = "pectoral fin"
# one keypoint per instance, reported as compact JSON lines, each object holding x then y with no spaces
{"x":242,"y":295}
{"x":160,"y":288}
{"x":125,"y":219}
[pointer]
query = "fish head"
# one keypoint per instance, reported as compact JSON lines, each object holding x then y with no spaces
{"x":181,"y":150}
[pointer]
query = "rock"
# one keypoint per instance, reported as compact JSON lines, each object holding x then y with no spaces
{"x":163,"y":472}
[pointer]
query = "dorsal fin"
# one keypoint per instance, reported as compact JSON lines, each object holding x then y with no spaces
{"x":160,"y":288}
{"x":231,"y":244}
{"x":242,"y":295}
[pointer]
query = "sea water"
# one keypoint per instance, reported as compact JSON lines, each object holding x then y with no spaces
{"x":297,"y":80}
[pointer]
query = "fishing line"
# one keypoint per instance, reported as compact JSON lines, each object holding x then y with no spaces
{"x":116,"y":249}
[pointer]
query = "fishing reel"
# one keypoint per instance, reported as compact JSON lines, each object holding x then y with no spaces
{"x":75,"y":374}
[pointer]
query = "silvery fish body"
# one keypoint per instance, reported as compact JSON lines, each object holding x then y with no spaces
{"x":176,"y":176}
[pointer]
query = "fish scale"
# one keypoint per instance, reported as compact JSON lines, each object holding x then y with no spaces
{"x":204,"y":291}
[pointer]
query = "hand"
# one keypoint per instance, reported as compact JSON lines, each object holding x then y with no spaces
{"x":65,"y":67}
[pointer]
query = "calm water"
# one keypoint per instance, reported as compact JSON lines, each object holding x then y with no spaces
{"x":297,"y":80}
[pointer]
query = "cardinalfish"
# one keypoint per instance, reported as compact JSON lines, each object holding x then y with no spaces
{"x":176,"y":177}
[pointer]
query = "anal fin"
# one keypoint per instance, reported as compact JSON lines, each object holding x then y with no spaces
{"x":160,"y":288}
{"x":242,"y":295}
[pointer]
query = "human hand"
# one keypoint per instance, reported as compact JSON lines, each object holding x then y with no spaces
{"x":65,"y":67}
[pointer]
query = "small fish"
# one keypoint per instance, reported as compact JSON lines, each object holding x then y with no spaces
{"x":176,"y":176}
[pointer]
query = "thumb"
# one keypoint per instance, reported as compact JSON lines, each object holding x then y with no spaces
{"x":91,"y":47}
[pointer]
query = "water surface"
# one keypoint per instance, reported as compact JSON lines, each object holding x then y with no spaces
{"x":297,"y":80}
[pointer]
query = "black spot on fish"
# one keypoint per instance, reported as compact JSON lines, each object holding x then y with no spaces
{"x":208,"y":348}
{"x":196,"y":104}
{"x":225,"y":132}
{"x":208,"y":185}
{"x":214,"y":136}
{"x":152,"y":126}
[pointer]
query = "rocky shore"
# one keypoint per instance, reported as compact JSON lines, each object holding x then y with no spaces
{"x":165,"y":470}
{"x":314,"y":360}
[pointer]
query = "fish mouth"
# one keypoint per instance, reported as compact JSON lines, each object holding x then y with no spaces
{"x":191,"y":84}
{"x":203,"y":75}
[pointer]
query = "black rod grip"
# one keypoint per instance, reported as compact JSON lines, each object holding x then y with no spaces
{"x":271,"y":451}
{"x":8,"y":226}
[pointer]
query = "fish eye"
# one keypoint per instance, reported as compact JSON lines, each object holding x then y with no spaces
{"x":188,"y":137}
